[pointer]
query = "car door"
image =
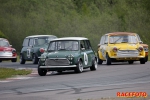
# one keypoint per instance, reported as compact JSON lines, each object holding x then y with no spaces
{"x":30,"y":48}
{"x":103,"y":47}
{"x":85,"y":53}
{"x":24,"y":48}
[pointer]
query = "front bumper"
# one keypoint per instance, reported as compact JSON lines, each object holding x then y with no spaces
{"x":69,"y":66}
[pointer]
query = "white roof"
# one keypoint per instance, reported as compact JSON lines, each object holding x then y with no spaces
{"x":70,"y":38}
{"x":39,"y":36}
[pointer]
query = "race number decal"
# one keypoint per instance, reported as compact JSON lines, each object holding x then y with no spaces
{"x":28,"y":52}
{"x":85,"y":59}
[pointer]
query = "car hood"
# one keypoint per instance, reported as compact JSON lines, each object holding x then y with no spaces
{"x":5,"y":49}
{"x":62,"y":54}
{"x":125,"y":46}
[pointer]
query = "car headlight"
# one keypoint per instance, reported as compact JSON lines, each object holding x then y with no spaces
{"x":70,"y":57}
{"x":42,"y":58}
{"x":140,"y":49}
{"x":114,"y":49}
{"x":14,"y":51}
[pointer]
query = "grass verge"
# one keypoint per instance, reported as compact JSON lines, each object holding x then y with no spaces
{"x":10,"y":72}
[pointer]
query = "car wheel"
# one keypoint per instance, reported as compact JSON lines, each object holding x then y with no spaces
{"x":79,"y":67}
{"x":130,"y":62}
{"x":142,"y":61}
{"x":146,"y":58}
{"x":34,"y":59}
{"x":94,"y":65}
{"x":22,"y":60}
{"x":41,"y":71}
{"x":0,"y":60}
{"x":14,"y":60}
{"x":108,"y":60}
{"x":99,"y":60}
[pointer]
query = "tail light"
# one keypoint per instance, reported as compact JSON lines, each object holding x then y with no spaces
{"x":42,"y":50}
{"x":140,"y":49}
{"x":115,"y":49}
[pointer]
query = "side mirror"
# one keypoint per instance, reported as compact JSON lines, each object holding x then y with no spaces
{"x":82,"y":49}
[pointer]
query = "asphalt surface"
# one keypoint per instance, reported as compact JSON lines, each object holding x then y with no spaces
{"x":105,"y":82}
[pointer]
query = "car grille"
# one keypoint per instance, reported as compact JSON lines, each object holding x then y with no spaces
{"x":6,"y":53}
{"x":57,"y":62}
{"x":127,"y":53}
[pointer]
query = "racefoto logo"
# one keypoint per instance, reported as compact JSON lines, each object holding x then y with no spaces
{"x":132,"y":94}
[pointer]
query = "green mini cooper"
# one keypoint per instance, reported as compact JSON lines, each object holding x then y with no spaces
{"x":33,"y":46}
{"x":68,"y":53}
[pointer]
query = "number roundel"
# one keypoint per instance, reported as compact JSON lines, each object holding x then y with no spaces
{"x":85,"y":59}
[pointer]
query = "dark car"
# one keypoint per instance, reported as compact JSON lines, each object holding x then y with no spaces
{"x":33,"y":46}
{"x":69,"y":53}
{"x":6,"y":51}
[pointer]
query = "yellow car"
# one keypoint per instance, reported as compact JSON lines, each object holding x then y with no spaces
{"x":120,"y":47}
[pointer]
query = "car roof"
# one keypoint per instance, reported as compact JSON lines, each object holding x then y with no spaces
{"x":120,"y":33}
{"x":3,"y":39}
{"x":34,"y":36}
{"x":70,"y":38}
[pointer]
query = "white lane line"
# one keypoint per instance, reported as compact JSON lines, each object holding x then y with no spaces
{"x":14,"y":78}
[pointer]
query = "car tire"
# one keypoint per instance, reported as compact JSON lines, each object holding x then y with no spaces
{"x":34,"y":59}
{"x":130,"y":62}
{"x":142,"y":61}
{"x":99,"y":60}
{"x":59,"y":71}
{"x":79,"y":67}
{"x":41,"y":71}
{"x":146,"y":58}
{"x":0,"y":60}
{"x":94,"y":65}
{"x":14,"y":60}
{"x":108,"y":60}
{"x":22,"y":60}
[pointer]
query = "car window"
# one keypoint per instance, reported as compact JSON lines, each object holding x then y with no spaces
{"x":106,"y":39}
{"x":25,"y":42}
{"x":102,"y":40}
{"x":4,"y":43}
{"x":31,"y":42}
{"x":122,"y":39}
{"x":41,"y":41}
{"x":82,"y":44}
{"x":67,"y":45}
{"x":87,"y":44}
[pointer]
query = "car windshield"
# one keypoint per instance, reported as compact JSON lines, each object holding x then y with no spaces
{"x":42,"y":40}
{"x":123,"y":39}
{"x":66,"y":45}
{"x":4,"y":43}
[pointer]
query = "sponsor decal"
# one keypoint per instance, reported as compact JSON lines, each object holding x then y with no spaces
{"x":85,"y":59}
{"x":132,"y":94}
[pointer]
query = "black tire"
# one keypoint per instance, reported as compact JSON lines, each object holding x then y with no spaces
{"x":146,"y":58}
{"x":0,"y":60}
{"x":108,"y":60}
{"x":99,"y":60}
{"x":130,"y":62}
{"x":41,"y":71}
{"x":142,"y":61}
{"x":22,"y":60}
{"x":14,"y":60}
{"x":94,"y":65}
{"x":59,"y":71}
{"x":79,"y":67}
{"x":35,"y":59}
